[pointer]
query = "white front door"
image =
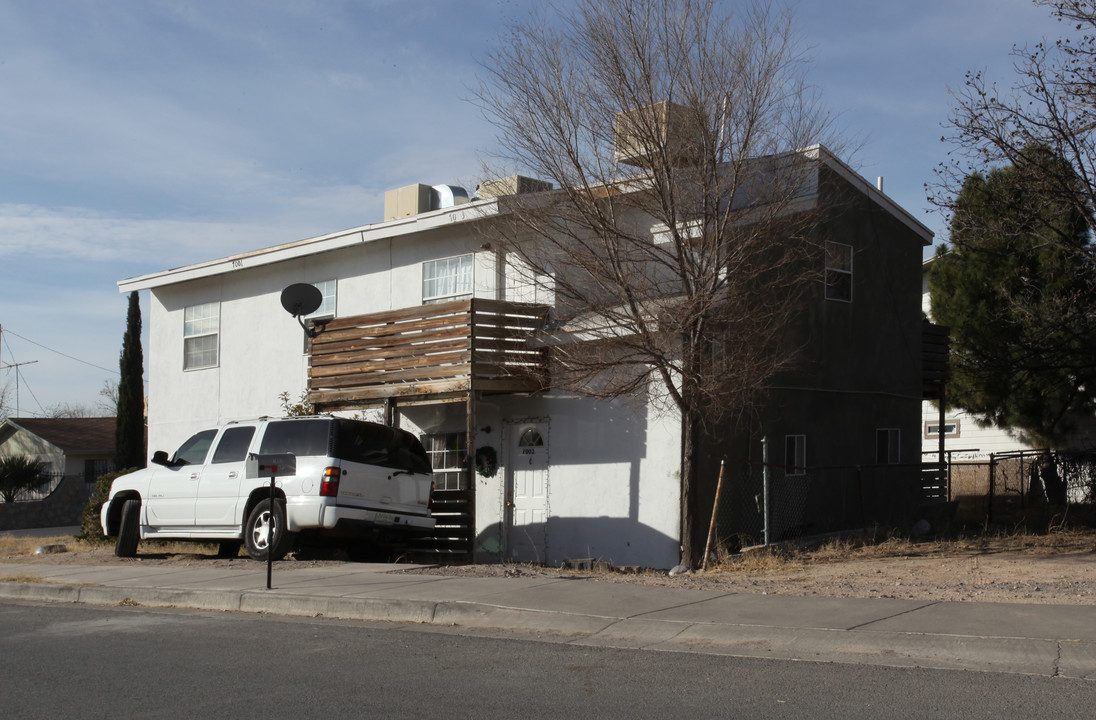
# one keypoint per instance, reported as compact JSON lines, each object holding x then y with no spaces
{"x":528,"y":491}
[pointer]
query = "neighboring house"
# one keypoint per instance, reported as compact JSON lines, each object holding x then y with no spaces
{"x":425,"y":325}
{"x":964,"y":436}
{"x":81,"y":447}
{"x":76,"y":451}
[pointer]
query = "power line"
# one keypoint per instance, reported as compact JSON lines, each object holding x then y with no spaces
{"x":7,"y":331}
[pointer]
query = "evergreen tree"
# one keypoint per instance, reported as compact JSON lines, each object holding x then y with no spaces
{"x":1018,"y":288}
{"x":129,"y":429}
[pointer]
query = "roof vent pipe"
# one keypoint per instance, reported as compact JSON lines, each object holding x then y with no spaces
{"x":447,"y":196}
{"x":879,"y":183}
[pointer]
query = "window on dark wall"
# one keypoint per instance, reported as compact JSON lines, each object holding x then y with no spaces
{"x":888,"y":446}
{"x":795,"y":455}
{"x":838,"y":271}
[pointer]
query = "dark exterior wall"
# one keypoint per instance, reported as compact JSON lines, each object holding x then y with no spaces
{"x":858,"y":369}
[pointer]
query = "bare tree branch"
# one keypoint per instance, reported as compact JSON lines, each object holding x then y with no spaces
{"x":678,"y":243}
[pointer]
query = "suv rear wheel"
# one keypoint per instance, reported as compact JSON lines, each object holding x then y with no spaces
{"x":265,"y":531}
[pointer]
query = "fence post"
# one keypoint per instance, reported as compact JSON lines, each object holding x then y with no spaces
{"x":992,"y":486}
{"x":765,"y":487}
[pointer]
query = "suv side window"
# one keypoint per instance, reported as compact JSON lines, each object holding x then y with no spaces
{"x":233,"y":445}
{"x":303,"y":438}
{"x":195,"y":449}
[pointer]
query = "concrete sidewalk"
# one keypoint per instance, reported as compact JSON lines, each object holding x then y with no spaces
{"x":1051,"y":640}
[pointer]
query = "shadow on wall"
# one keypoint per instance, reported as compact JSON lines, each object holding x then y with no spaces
{"x":618,"y":541}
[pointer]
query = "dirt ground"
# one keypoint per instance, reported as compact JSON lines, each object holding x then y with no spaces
{"x":1051,"y":569}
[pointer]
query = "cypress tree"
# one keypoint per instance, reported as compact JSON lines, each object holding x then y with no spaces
{"x":129,"y":428}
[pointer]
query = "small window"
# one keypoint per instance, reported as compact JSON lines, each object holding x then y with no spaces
{"x":531,"y":437}
{"x":94,"y":468}
{"x":447,"y":452}
{"x":447,"y":279}
{"x":201,"y":326}
{"x":838,"y":271}
{"x":888,"y":446}
{"x":327,"y":307}
{"x":233,"y":445}
{"x":795,"y":455}
{"x":951,"y":429}
{"x":195,"y":449}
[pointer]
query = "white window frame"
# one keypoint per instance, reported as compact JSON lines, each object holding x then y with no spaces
{"x":328,"y":291}
{"x":952,"y":428}
{"x":449,"y":278}
{"x":201,"y":328}
{"x":839,"y":271}
{"x":795,"y":455}
{"x":447,"y":453}
{"x":891,"y":452}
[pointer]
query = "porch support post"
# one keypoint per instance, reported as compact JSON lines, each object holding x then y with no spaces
{"x":945,"y":471}
{"x":470,"y":431}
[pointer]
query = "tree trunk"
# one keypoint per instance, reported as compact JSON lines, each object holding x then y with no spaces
{"x":692,"y":548}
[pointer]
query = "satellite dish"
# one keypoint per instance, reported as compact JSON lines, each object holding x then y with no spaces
{"x":301,"y":299}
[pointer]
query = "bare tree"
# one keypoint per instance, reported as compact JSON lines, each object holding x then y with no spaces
{"x":1049,"y":108}
{"x":68,"y":410}
{"x":677,"y":246}
{"x":108,"y":402}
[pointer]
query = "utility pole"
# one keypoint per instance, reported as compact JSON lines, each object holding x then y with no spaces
{"x":16,"y":366}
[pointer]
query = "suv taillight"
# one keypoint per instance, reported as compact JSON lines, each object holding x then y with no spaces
{"x":430,"y":505}
{"x":329,"y":486}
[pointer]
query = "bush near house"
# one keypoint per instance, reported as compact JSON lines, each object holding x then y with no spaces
{"x":20,"y":474}
{"x":90,"y":527}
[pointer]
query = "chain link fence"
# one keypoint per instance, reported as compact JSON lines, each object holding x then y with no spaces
{"x":759,"y":504}
{"x":1011,"y":486}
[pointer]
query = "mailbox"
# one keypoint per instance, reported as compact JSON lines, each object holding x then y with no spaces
{"x":268,"y":465}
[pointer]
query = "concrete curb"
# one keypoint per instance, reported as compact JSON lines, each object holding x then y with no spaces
{"x":1028,"y":656}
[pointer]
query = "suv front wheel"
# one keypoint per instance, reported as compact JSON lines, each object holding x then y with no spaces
{"x":264,"y":531}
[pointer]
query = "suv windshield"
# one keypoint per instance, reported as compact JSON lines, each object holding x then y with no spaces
{"x":363,"y":442}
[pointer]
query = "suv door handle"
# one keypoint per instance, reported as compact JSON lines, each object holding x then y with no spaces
{"x":232,"y":475}
{"x":193,"y":476}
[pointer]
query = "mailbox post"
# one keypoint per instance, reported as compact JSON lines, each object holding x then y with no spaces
{"x":272,"y":465}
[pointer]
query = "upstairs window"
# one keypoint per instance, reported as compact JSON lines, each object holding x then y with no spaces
{"x":327,"y":307}
{"x":201,"y":326}
{"x":447,"y":279}
{"x":838,"y":271}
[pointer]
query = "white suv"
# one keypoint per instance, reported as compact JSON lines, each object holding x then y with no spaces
{"x":357,"y":481}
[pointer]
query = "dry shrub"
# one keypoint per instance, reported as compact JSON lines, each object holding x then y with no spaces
{"x":759,"y":561}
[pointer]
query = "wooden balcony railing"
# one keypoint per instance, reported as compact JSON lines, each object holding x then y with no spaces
{"x":429,"y":352}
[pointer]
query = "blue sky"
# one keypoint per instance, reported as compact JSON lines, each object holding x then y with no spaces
{"x":142,"y":135}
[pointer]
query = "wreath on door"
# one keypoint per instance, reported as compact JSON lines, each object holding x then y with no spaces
{"x":487,"y":461}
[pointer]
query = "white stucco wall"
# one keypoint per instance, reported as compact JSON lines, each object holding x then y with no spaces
{"x":613,"y":489}
{"x":261,"y":350}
